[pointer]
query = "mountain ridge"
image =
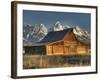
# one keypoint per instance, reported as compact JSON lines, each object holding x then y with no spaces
{"x":36,"y":33}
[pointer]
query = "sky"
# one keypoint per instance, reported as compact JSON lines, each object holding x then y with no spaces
{"x":49,"y":18}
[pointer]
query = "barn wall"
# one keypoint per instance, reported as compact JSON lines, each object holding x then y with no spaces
{"x":58,"y":49}
{"x":71,"y":48}
{"x":36,"y":50}
{"x":49,"y":50}
{"x":55,"y":49}
{"x":81,"y":50}
{"x":28,"y":50}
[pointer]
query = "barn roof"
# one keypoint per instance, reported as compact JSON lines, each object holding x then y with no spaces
{"x":55,"y":35}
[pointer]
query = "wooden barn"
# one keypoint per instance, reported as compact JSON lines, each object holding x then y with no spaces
{"x":59,"y":43}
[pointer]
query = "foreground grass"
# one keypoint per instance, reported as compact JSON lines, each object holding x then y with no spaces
{"x":43,"y":61}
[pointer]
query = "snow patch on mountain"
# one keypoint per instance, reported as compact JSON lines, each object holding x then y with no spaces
{"x":35,"y":33}
{"x":58,"y":26}
{"x":81,"y":35}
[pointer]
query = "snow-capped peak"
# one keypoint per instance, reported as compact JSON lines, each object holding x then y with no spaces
{"x":43,"y":29}
{"x":81,"y":35}
{"x":36,"y":33}
{"x":57,"y":26}
{"x":78,"y":31}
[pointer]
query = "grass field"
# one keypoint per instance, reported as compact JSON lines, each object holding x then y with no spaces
{"x":43,"y":61}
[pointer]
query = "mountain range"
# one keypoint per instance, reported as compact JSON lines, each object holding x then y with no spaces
{"x":33,"y":34}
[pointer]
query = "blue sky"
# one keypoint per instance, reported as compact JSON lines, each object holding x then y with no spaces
{"x":49,"y":18}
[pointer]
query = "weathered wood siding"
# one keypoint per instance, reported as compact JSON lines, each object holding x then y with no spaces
{"x":55,"y":49}
{"x":49,"y":50}
{"x":38,"y":50}
{"x":69,"y":46}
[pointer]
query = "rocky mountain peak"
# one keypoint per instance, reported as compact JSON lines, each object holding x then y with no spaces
{"x":58,"y":26}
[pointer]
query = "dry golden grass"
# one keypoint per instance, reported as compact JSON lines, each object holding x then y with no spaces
{"x":42,"y":61}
